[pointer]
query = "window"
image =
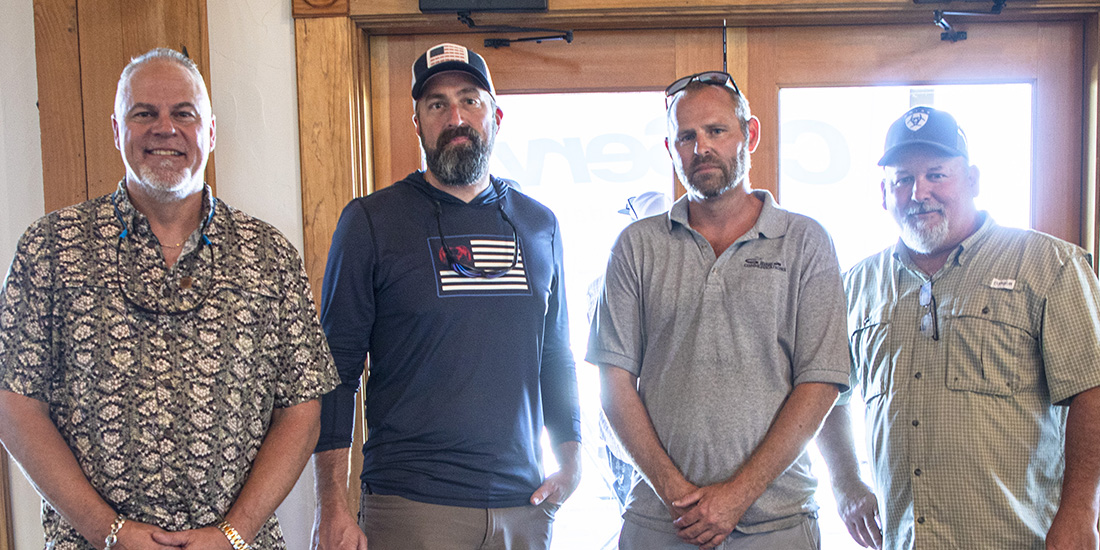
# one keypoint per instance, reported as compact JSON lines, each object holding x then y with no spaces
{"x":584,"y":156}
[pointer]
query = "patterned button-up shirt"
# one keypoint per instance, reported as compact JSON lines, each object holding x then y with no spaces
{"x":966,"y":430}
{"x":161,"y":380}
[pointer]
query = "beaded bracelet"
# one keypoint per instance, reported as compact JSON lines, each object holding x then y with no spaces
{"x":112,"y":537}
{"x":234,"y":537}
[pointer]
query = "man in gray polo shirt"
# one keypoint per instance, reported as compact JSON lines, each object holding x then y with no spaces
{"x":720,"y":340}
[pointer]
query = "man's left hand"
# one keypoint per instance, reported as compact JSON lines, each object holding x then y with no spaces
{"x":559,"y":485}
{"x":207,"y":538}
{"x":713,"y":512}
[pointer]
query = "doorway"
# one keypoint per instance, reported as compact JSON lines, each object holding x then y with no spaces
{"x":591,"y":160}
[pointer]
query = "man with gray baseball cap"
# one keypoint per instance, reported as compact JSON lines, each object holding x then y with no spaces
{"x":977,"y":350}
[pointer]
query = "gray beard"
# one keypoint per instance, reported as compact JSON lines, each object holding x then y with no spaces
{"x":924,"y":238}
{"x":165,"y":189}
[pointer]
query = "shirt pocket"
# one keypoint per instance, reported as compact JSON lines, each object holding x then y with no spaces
{"x":989,"y":344}
{"x":868,"y":338}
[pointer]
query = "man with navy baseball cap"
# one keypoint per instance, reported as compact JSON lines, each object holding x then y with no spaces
{"x":977,"y":350}
{"x":451,"y":282}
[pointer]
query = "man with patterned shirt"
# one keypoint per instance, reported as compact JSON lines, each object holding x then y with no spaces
{"x":977,"y":350}
{"x":160,"y":357}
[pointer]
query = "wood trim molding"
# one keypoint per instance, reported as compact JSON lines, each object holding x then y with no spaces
{"x":319,"y":8}
{"x":1090,"y":197}
{"x":7,"y":528}
{"x":332,"y":102}
{"x":329,"y":115}
{"x":403,"y":17}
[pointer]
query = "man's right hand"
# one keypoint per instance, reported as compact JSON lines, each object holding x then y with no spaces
{"x":858,"y":507}
{"x":682,"y":488}
{"x":138,"y":536}
{"x":334,"y":527}
{"x":337,"y":531}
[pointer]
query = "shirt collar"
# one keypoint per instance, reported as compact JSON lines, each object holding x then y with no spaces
{"x":130,"y":216}
{"x":770,"y":224}
{"x":963,"y":252}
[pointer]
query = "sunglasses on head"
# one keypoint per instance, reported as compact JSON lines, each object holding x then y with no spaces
{"x":714,"y":78}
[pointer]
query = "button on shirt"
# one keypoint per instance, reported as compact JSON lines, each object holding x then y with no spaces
{"x":964,"y":431}
{"x":162,"y":380}
{"x":719,"y":343}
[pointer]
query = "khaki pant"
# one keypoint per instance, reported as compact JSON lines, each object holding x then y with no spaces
{"x":396,"y":523}
{"x":804,"y":536}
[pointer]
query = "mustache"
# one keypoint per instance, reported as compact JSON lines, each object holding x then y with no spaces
{"x":459,"y":131}
{"x":924,"y":208}
{"x":706,"y":162}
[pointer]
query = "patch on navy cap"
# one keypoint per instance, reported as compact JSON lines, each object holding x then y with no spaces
{"x":447,"y":52}
{"x":916,"y":119}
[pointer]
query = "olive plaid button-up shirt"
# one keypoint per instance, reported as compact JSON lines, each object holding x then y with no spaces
{"x":966,"y":432}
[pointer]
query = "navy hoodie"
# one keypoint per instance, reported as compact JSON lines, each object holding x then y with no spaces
{"x":464,"y":372}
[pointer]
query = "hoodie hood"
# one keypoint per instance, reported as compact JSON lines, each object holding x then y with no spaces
{"x":498,"y":188}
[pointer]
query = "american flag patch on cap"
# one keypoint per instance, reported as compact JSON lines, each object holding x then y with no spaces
{"x":447,"y":52}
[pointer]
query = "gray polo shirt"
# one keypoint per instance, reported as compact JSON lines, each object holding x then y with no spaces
{"x":718,"y":345}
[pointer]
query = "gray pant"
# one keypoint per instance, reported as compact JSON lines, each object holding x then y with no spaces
{"x":396,"y":523}
{"x":804,"y":536}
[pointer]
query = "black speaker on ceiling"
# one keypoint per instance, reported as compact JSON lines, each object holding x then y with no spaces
{"x":455,"y":6}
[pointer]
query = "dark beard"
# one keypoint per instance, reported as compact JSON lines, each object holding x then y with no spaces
{"x":459,"y":165}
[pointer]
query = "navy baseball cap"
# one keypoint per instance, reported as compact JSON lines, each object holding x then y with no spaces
{"x":925,"y":126}
{"x":449,"y":57}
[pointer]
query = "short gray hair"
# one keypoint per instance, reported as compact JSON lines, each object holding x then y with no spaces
{"x":741,"y":103}
{"x":158,"y":54}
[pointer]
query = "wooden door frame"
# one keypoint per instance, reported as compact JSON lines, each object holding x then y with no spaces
{"x":7,"y":526}
{"x":334,"y":72}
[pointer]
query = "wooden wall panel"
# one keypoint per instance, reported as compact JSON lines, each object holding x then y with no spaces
{"x":81,"y":48}
{"x":112,"y":32}
{"x":60,"y":109}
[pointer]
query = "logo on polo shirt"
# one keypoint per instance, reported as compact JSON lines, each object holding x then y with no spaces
{"x":764,"y":264}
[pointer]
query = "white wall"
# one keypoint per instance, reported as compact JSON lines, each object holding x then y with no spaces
{"x":254,"y":90}
{"x":21,"y":200}
{"x":255,"y":94}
